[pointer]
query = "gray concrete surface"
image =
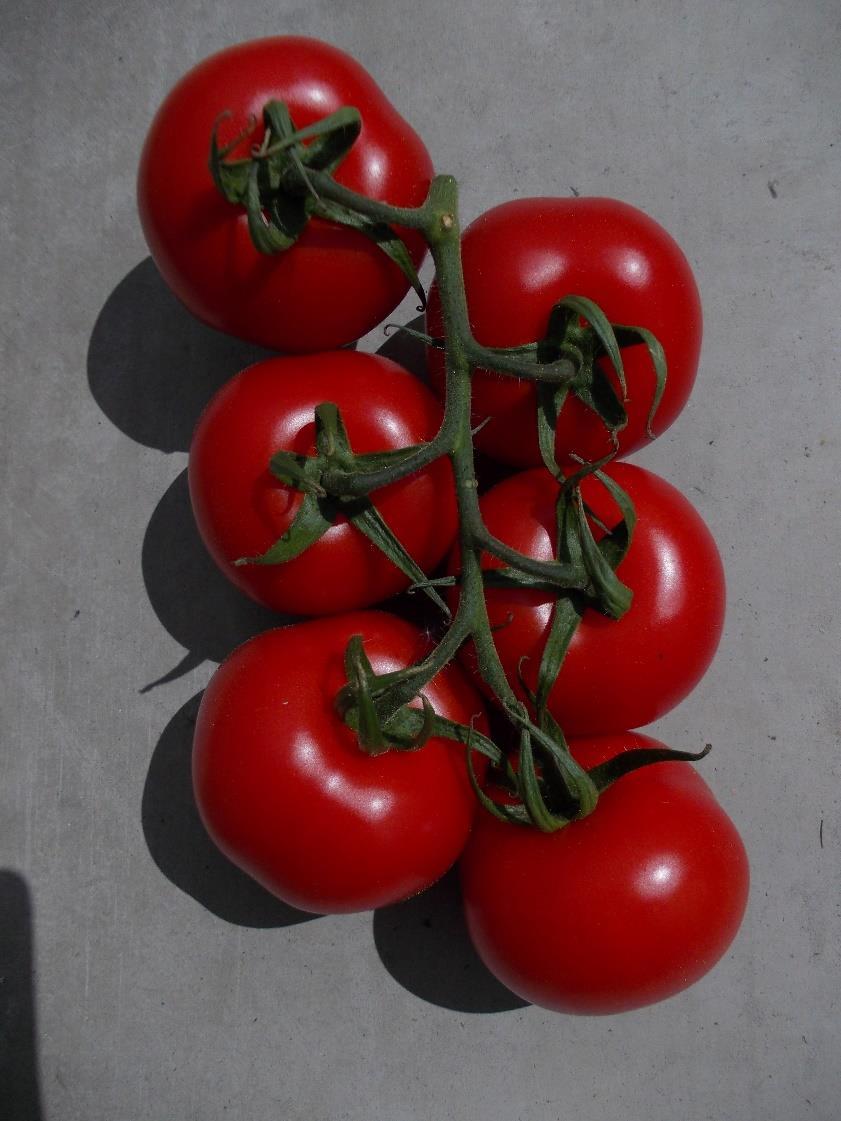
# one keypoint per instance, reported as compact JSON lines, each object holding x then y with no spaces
{"x":164,"y":985}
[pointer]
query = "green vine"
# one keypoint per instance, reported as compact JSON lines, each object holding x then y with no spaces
{"x":286,"y":181}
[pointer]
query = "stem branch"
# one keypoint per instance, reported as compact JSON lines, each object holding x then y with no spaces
{"x":437,"y":221}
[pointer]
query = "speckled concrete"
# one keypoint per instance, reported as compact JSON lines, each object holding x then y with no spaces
{"x":167,"y":986}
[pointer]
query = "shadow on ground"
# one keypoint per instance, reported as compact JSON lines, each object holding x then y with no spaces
{"x":20,"y":1095}
{"x":152,"y":366}
{"x":193,"y":600}
{"x":179,"y":843}
{"x":424,"y":945}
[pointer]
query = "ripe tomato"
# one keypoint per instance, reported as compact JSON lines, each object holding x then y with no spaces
{"x":334,"y":285}
{"x":287,"y":794}
{"x":519,"y":260}
{"x":623,"y":908}
{"x":617,"y":673}
{"x":241,"y":509}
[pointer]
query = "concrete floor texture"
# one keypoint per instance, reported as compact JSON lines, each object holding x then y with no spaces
{"x":143,"y":976}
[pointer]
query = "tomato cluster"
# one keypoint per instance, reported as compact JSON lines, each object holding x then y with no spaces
{"x":637,"y":899}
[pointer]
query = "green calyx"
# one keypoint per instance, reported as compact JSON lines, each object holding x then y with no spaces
{"x":280,"y":183}
{"x":580,"y":332}
{"x":319,"y":511}
{"x":407,"y":728}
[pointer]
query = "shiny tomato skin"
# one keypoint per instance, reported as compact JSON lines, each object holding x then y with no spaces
{"x":621,"y":909}
{"x":287,"y":794}
{"x":334,"y":285}
{"x":520,"y":258}
{"x":241,"y":509}
{"x":617,"y":673}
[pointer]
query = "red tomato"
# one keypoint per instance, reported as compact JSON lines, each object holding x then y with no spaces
{"x":623,"y":908}
{"x":334,"y":285}
{"x":241,"y":509}
{"x":617,"y":673}
{"x":519,"y":260}
{"x":287,"y":794}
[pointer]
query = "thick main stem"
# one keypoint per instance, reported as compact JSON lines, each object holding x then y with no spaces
{"x":441,"y":229}
{"x":445,"y":247}
{"x":437,"y":220}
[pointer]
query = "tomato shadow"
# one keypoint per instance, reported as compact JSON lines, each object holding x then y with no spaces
{"x":19,"y":1082}
{"x":198,"y":606}
{"x":179,"y":843}
{"x":152,"y":366}
{"x":194,"y":602}
{"x":424,"y":945}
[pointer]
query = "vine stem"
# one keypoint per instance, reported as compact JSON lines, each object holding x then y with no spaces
{"x":381,"y":698}
{"x":580,"y":565}
{"x":437,"y":220}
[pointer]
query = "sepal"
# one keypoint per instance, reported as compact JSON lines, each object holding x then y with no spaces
{"x":277,"y":186}
{"x":605,"y":774}
{"x":314,"y":517}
